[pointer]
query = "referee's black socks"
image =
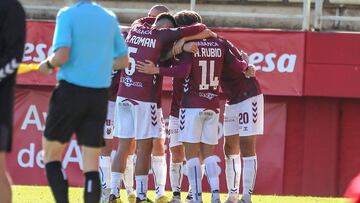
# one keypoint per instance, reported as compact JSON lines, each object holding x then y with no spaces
{"x":57,"y":181}
{"x":92,"y":189}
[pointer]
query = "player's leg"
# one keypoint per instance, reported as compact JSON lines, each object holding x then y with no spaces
{"x":177,"y":159}
{"x":232,"y":167}
{"x":232,"y":153}
{"x":193,"y":167}
{"x":128,"y":177}
{"x":92,"y":184}
{"x":212,"y":170}
{"x":190,"y":132}
{"x":209,"y":140}
{"x":142,"y":167}
{"x":124,"y":130}
{"x":90,"y":137}
{"x":7,"y":94}
{"x":248,"y":152}
{"x":57,"y":179}
{"x":158,"y":159}
{"x":105,"y":169}
{"x":251,"y":125}
{"x":65,"y":110}
{"x":104,"y":158}
{"x":5,"y":188}
{"x":119,"y":165}
{"x":159,"y":168}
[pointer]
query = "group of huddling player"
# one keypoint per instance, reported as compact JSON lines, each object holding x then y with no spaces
{"x":199,"y":61}
{"x":177,"y":46}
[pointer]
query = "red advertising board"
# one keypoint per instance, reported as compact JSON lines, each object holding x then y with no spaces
{"x":280,"y":65}
{"x":278,"y":56}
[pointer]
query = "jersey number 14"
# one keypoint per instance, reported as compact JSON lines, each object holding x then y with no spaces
{"x":205,"y":77}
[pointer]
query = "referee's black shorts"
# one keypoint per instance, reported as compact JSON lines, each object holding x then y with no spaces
{"x":80,"y":110}
{"x":7,"y":94}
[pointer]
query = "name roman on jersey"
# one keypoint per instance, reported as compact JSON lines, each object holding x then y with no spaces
{"x":141,"y":41}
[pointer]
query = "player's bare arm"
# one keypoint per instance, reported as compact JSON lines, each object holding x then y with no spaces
{"x":147,"y":67}
{"x":207,"y":33}
{"x":57,"y":59}
{"x":121,"y":62}
{"x":181,"y":70}
{"x":190,"y":47}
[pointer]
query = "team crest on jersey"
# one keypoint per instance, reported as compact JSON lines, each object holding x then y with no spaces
{"x":207,"y":95}
{"x":108,"y":131}
{"x":128,"y":82}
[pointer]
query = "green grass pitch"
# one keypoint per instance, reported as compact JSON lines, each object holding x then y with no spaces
{"x":39,"y":194}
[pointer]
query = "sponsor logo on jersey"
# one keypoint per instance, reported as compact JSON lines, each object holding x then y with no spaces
{"x":128,"y":82}
{"x":207,"y":95}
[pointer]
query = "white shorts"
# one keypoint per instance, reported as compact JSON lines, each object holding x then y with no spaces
{"x":245,"y":118}
{"x":109,"y":123}
{"x":137,"y":119}
{"x":199,"y":125}
{"x":174,"y":131}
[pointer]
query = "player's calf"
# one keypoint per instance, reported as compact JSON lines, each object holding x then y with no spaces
{"x":119,"y":166}
{"x":176,"y":170}
{"x":248,"y":151}
{"x":143,"y":162}
{"x":233,"y":167}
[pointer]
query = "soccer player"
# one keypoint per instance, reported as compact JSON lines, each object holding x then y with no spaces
{"x":182,"y":18}
{"x":158,"y":153}
{"x":199,"y":113}
{"x":78,"y":104}
{"x":137,"y":115}
{"x":243,"y":121}
{"x":12,"y":41}
{"x":105,"y":157}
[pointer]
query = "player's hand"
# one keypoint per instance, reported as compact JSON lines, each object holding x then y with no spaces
{"x":250,"y":71}
{"x":44,"y":68}
{"x":191,"y":47}
{"x":211,"y":33}
{"x":178,"y":46}
{"x":147,"y":67}
{"x":244,"y":56}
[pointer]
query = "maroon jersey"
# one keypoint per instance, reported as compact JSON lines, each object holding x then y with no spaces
{"x":146,"y":43}
{"x":201,"y":86}
{"x":235,"y":85}
{"x":115,"y":79}
{"x":176,"y":96}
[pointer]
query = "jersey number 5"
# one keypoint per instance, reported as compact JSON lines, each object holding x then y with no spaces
{"x":131,"y":69}
{"x":213,"y":81}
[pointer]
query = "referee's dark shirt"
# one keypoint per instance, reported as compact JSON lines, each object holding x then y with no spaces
{"x":12,"y":38}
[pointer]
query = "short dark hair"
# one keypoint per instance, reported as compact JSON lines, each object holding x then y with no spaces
{"x":166,"y":16}
{"x":185,"y":18}
{"x":158,"y":9}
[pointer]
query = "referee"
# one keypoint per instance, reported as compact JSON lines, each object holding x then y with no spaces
{"x":12,"y":40}
{"x":87,"y":45}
